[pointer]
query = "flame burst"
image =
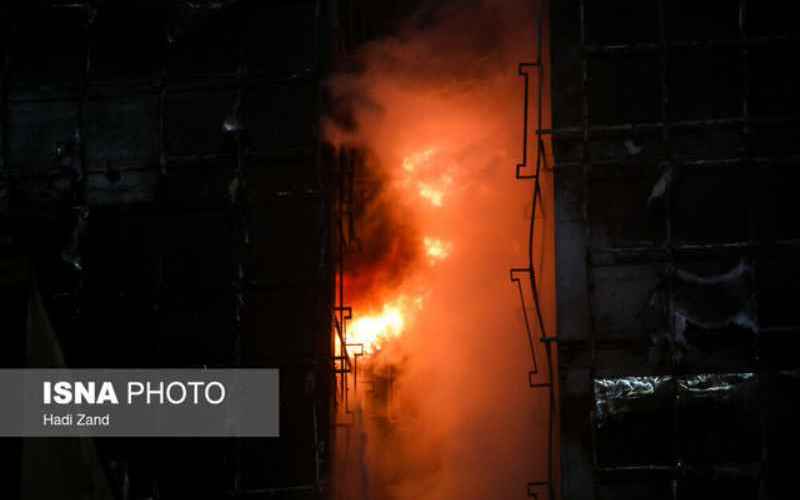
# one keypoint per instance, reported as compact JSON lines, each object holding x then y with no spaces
{"x":372,"y":327}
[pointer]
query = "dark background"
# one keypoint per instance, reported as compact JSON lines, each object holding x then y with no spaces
{"x":167,"y":200}
{"x":675,"y":137}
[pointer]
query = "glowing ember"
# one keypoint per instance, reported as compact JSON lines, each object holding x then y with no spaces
{"x":437,"y":250}
{"x":433,"y":195}
{"x":410,"y":163}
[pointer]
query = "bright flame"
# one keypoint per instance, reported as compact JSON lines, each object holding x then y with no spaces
{"x":375,"y":329}
{"x":429,"y":193}
{"x":371,"y":328}
{"x":410,"y":163}
{"x":437,"y":250}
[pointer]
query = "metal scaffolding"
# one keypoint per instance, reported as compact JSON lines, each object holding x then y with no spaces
{"x":343,"y":313}
{"x":238,"y":208}
{"x":672,"y":251}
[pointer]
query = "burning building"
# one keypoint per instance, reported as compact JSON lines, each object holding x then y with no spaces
{"x":435,"y":328}
{"x":496,"y":248}
{"x":193,"y":184}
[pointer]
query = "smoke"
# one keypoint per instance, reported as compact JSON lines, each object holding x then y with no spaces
{"x":437,"y":108}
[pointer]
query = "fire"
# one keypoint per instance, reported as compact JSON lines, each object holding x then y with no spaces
{"x":414,"y":161}
{"x":372,"y":327}
{"x":437,"y":250}
{"x":420,"y":169}
{"x":375,"y":329}
{"x":431,"y":194}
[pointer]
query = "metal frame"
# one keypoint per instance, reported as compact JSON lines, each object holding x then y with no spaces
{"x":671,"y":251}
{"x":88,"y":90}
{"x":343,"y":313}
{"x":536,"y":379}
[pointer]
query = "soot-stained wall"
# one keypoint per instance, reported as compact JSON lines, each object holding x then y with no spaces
{"x":677,"y":257}
{"x":164,"y":189}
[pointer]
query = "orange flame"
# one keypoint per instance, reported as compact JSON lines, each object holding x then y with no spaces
{"x":437,"y":250}
{"x":414,"y":161}
{"x":374,"y":329}
{"x":431,"y":194}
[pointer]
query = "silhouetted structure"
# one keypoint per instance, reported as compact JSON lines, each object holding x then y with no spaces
{"x":674,"y":129}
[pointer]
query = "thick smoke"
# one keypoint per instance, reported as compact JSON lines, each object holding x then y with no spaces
{"x":465,"y":423}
